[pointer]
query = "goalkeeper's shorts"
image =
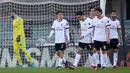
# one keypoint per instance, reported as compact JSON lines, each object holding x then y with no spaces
{"x":19,"y":45}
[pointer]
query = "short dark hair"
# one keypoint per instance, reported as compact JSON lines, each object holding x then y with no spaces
{"x":58,"y":12}
{"x":98,"y":9}
{"x":113,"y":11}
{"x":91,"y":8}
{"x":80,"y":13}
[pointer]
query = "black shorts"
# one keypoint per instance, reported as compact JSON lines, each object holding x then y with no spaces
{"x":99,"y":44}
{"x":89,"y":46}
{"x":113,"y":44}
{"x":60,"y":46}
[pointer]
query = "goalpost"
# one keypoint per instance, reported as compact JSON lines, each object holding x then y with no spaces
{"x":38,"y":16}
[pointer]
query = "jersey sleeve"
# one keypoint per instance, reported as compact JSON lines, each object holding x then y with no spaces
{"x":21,"y":27}
{"x":107,"y":22}
{"x":66,"y":25}
{"x":89,"y":25}
{"x":93,"y":22}
{"x":21,"y":21}
{"x":89,"y":28}
{"x":53,"y":25}
{"x":119,"y":26}
{"x":67,"y":30}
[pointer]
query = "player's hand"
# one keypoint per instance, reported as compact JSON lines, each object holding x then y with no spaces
{"x":108,"y":41}
{"x":18,"y":38}
{"x":81,"y":37}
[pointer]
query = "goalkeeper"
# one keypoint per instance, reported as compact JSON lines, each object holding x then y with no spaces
{"x":19,"y":39}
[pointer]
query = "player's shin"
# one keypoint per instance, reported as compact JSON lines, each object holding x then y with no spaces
{"x":18,"y":58}
{"x":60,"y":55}
{"x":104,"y":59}
{"x":77,"y":57}
{"x":98,"y":56}
{"x":115,"y":58}
{"x":90,"y":54}
{"x":94,"y":59}
{"x":76,"y":60}
{"x":29,"y":57}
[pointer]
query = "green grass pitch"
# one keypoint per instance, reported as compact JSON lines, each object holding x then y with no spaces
{"x":53,"y":70}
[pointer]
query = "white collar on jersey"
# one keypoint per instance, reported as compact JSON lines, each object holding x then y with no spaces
{"x":91,"y":17}
{"x":59,"y":20}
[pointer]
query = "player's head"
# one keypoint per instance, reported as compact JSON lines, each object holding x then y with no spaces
{"x":98,"y":11}
{"x":113,"y":14}
{"x":80,"y":15}
{"x":59,"y":15}
{"x":91,"y":11}
{"x":13,"y":14}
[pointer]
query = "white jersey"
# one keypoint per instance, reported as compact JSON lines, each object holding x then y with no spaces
{"x":113,"y":28}
{"x":100,"y":25}
{"x":85,"y":25}
{"x":60,"y":30}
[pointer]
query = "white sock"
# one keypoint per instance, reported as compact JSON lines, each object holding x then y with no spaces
{"x":94,"y":59}
{"x":59,"y":62}
{"x":104,"y":60}
{"x":98,"y":61}
{"x":115,"y":56}
{"x":90,"y":59}
{"x":76,"y":60}
{"x":101,"y":58}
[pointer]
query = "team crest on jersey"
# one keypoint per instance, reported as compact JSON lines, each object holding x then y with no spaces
{"x":61,"y":24}
{"x":67,"y":24}
{"x":107,"y":21}
{"x":89,"y":23}
{"x":102,"y":21}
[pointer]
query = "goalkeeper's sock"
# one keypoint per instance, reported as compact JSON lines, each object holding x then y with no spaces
{"x":19,"y":59}
{"x":76,"y":60}
{"x":60,"y":62}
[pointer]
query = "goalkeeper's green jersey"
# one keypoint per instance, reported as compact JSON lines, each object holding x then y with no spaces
{"x":18,"y":28}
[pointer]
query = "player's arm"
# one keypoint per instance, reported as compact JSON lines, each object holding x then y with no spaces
{"x":90,"y":29}
{"x":67,"y":31}
{"x":20,"y":23}
{"x":119,"y":32}
{"x":108,"y":30}
{"x":93,"y":25}
{"x":52,"y":31}
{"x":93,"y":31}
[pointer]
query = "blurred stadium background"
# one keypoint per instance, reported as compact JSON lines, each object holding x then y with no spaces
{"x":38,"y":16}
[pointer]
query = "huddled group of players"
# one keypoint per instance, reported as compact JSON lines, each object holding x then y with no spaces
{"x":98,"y":33}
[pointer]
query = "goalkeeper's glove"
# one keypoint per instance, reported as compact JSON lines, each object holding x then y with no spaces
{"x":18,"y":38}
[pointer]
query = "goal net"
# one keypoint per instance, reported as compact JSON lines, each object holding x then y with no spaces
{"x":38,"y":16}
